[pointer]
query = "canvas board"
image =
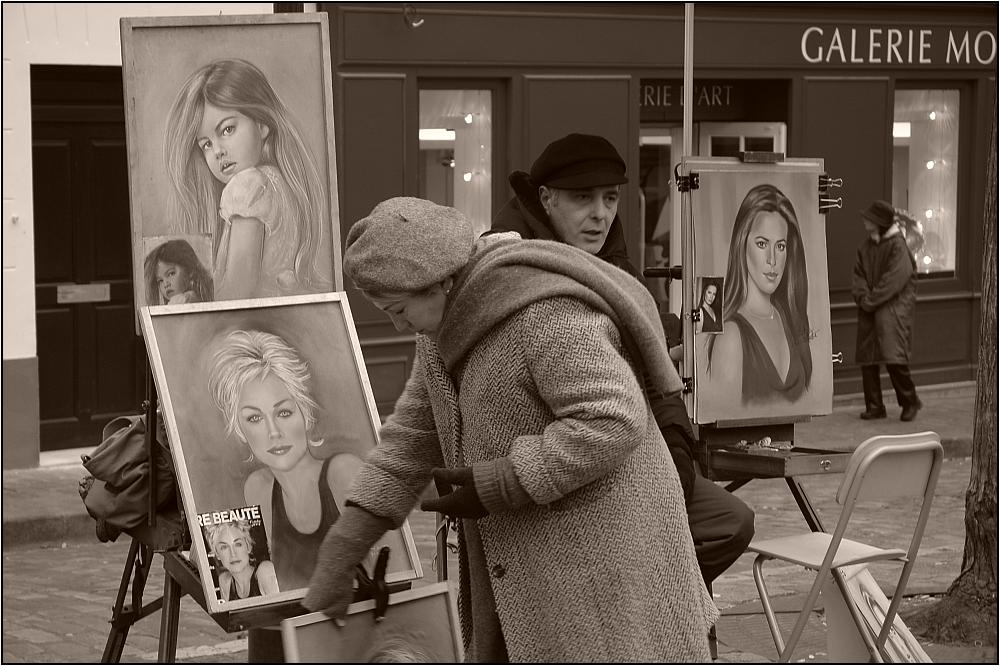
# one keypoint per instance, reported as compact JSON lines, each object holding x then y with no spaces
{"x":420,"y":626}
{"x":265,"y":452}
{"x":252,"y":169}
{"x":758,"y":234}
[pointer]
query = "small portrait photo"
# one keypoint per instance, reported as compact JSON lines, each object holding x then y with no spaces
{"x":709,"y":291}
{"x":178,"y":269}
{"x":238,"y":553}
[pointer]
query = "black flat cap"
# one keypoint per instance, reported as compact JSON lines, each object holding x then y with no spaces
{"x":578,"y":161}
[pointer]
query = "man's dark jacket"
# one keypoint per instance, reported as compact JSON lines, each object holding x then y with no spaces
{"x":525,"y":215}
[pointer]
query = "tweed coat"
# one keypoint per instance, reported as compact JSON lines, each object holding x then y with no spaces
{"x":884,"y":286}
{"x":600,"y":565}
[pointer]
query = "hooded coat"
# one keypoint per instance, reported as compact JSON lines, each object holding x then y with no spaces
{"x":586,"y":551}
{"x":525,"y":215}
{"x":884,"y":286}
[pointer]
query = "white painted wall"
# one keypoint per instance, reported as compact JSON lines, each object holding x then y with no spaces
{"x":54,"y":33}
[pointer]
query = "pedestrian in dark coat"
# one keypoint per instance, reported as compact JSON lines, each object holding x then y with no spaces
{"x":571,"y":196}
{"x":885,"y":288}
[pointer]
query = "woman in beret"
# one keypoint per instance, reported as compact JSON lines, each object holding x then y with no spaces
{"x":524,"y":402}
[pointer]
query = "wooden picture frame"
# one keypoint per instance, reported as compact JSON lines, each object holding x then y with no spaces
{"x":262,"y":398}
{"x":420,"y":626}
{"x":792,"y":294}
{"x":230,"y":135}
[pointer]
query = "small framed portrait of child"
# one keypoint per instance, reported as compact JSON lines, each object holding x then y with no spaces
{"x":230,"y":137}
{"x":269,"y":413}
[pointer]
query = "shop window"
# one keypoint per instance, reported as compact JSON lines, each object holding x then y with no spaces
{"x":925,"y":175}
{"x":456,"y":151}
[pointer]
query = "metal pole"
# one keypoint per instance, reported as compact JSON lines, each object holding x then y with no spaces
{"x":687,"y":230}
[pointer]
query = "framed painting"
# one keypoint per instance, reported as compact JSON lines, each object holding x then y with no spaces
{"x":269,"y":412}
{"x":420,"y":626}
{"x":229,"y":128}
{"x":762,"y":345}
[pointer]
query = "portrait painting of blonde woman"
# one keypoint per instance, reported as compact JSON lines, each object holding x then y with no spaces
{"x":270,"y":413}
{"x":760,"y":227}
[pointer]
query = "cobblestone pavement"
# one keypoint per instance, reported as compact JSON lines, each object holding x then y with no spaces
{"x":57,"y":597}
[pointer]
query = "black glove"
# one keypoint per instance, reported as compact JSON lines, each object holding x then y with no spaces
{"x":460,"y":502}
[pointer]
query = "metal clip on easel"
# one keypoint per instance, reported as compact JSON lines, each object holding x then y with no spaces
{"x":826,"y":202}
{"x":375,"y":587}
{"x":837,"y":358}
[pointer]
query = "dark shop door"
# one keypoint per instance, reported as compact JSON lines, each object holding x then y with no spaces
{"x":90,"y":362}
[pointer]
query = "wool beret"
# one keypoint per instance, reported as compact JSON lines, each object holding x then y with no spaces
{"x":578,"y":161}
{"x":880,"y":213}
{"x":406,"y":245}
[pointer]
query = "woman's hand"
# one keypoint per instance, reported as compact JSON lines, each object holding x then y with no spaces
{"x":331,"y":588}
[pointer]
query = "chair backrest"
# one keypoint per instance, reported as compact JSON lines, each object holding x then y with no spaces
{"x":891,"y":466}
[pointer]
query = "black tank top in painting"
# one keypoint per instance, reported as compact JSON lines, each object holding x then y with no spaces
{"x":294,"y":553}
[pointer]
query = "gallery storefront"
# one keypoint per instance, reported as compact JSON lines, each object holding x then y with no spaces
{"x":443,"y":100}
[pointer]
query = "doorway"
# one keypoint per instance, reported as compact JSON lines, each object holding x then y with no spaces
{"x":91,"y":365}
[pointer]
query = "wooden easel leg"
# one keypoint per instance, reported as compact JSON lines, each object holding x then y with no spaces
{"x":168,"y":619}
{"x":121,"y":617}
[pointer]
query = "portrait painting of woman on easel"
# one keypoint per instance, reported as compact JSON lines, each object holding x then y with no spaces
{"x":772,"y":356}
{"x":269,"y":413}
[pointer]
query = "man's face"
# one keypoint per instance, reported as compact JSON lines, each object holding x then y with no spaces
{"x":581,"y":218}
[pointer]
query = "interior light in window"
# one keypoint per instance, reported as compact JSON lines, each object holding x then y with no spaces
{"x":467,"y":176}
{"x":930,"y":164}
{"x":437,"y":135}
{"x":928,"y":213}
{"x":932,"y":115}
{"x":927,"y":260}
{"x":901,"y":130}
{"x":468,"y":119}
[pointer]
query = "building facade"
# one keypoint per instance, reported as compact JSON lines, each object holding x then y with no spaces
{"x":443,"y":100}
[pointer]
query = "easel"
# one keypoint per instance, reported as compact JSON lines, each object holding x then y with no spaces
{"x":181,"y":577}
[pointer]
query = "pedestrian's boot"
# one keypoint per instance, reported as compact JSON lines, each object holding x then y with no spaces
{"x":910,"y":411}
{"x":874,"y":413}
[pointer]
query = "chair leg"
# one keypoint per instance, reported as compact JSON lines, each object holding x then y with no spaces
{"x":803,"y":618}
{"x":765,"y":602}
{"x":890,"y":613}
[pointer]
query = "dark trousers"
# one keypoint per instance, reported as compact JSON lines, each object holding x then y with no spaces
{"x":721,"y":526}
{"x":899,"y":374}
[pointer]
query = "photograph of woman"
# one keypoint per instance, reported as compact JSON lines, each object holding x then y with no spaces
{"x":261,"y":386}
{"x":239,"y":169}
{"x":773,"y":340}
{"x":710,"y":315}
{"x":242,"y":573}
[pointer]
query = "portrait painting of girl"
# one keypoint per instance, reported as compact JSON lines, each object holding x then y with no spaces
{"x":239,"y":169}
{"x":772,"y":355}
{"x":270,"y":414}
{"x":230,"y":134}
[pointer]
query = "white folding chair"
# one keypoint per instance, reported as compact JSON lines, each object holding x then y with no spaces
{"x":882,"y":468}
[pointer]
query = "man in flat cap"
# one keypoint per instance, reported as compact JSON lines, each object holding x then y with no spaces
{"x":571,"y":195}
{"x":884,"y":287}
